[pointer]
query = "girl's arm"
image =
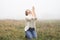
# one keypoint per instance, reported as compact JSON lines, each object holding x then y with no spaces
{"x":33,"y":12}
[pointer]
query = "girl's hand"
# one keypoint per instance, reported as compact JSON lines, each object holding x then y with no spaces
{"x":33,"y":8}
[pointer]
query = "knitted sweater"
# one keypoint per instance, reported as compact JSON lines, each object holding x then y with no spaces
{"x":30,"y":22}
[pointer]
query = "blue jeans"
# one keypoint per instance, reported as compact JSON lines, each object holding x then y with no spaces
{"x":31,"y":34}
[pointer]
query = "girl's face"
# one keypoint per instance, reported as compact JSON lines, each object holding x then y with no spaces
{"x":28,"y":12}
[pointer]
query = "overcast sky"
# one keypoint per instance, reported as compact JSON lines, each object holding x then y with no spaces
{"x":15,"y":9}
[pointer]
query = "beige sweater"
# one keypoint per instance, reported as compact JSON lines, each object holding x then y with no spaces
{"x":30,"y":22}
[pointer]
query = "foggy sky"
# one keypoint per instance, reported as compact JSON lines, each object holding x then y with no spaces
{"x":15,"y":9}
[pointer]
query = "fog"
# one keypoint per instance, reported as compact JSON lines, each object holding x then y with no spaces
{"x":15,"y":9}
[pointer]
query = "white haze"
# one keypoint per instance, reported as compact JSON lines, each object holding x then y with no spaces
{"x":15,"y":9}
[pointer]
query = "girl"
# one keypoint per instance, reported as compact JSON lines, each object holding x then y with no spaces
{"x":30,"y":28}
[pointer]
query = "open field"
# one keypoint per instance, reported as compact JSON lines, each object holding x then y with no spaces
{"x":14,"y":30}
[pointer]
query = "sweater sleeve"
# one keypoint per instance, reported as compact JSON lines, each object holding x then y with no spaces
{"x":34,"y":18}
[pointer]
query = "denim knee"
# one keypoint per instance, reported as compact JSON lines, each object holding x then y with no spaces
{"x":34,"y":34}
{"x":28,"y":34}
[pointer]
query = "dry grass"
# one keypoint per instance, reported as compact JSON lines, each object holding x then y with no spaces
{"x":14,"y":30}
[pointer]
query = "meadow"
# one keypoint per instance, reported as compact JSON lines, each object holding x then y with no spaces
{"x":14,"y":29}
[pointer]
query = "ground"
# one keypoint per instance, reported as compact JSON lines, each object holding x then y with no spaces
{"x":14,"y":29}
